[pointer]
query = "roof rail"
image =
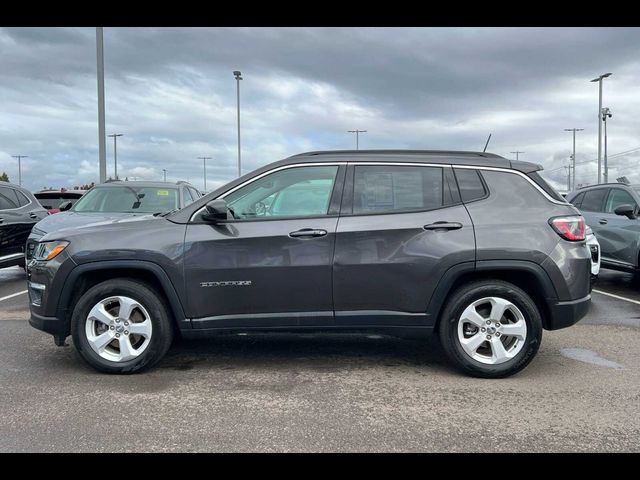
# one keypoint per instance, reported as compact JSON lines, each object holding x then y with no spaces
{"x":453,"y":153}
{"x":601,"y":184}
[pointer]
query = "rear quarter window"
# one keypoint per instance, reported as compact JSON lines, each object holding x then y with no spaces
{"x":470,"y":184}
{"x":577,"y":200}
{"x":542,"y":183}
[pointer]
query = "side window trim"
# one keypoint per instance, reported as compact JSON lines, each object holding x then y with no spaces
{"x":452,"y":184}
{"x":337,"y":192}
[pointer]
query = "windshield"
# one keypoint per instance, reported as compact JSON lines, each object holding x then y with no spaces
{"x":127,"y":199}
{"x":54,"y":200}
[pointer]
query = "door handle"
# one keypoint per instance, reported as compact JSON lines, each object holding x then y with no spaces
{"x":33,"y":215}
{"x":443,"y":226}
{"x":603,"y":221}
{"x":308,"y":233}
{"x":1,"y":219}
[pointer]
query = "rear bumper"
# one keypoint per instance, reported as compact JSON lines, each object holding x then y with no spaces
{"x":565,"y":314}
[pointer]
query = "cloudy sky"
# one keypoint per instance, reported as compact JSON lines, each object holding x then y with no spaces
{"x":171,"y":92}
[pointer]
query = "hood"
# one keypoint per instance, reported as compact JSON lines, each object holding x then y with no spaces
{"x":65,"y":220}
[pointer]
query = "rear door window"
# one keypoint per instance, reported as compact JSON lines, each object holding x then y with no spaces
{"x":390,"y":188}
{"x":593,"y":200}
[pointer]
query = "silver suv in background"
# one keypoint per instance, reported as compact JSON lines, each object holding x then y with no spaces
{"x":612,"y":211}
{"x":115,"y":200}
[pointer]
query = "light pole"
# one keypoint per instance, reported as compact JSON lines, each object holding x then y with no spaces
{"x":574,"y":130}
{"x":204,"y":161}
{"x":102,"y":147}
{"x":165,"y":174}
{"x":568,"y":167}
{"x":517,"y":155}
{"x":599,"y":80}
{"x":606,"y":112}
{"x":357,"y":132}
{"x":238,"y":76}
{"x":115,"y":151}
{"x":19,"y":157}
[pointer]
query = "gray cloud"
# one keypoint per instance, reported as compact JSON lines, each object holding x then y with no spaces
{"x":172,"y":93}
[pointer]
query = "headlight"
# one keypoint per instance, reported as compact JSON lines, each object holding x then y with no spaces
{"x":45,"y":251}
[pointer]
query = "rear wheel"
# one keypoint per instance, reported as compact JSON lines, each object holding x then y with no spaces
{"x":121,"y":326}
{"x":490,"y":329}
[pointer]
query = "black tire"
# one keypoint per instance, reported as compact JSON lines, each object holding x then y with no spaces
{"x":461,"y":299}
{"x":149,"y":298}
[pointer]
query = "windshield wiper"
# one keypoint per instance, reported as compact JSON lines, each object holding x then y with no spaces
{"x":164,"y":214}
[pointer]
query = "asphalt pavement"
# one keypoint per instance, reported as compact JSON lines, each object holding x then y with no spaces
{"x":326,"y":392}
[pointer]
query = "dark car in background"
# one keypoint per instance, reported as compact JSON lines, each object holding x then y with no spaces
{"x":612,"y":210}
{"x":116,"y":200}
{"x":19,"y":212}
{"x":471,"y":246}
{"x":52,"y":200}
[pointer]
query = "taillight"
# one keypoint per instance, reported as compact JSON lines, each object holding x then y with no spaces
{"x":569,"y":228}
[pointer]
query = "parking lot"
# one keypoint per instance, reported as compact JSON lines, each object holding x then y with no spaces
{"x":326,"y":393}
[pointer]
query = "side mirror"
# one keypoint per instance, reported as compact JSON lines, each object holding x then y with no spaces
{"x":64,"y":206}
{"x":217,"y":211}
{"x":626,"y":210}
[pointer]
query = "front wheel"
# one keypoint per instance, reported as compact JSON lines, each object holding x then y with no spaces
{"x":490,"y":329}
{"x":121,"y":326}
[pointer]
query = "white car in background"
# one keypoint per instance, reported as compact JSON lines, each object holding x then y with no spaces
{"x":594,"y":248}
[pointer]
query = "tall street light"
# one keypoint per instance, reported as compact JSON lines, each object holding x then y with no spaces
{"x":101,"y":138}
{"x":517,"y":155}
{"x":357,"y":132}
{"x":204,"y":161}
{"x":238,"y":76}
{"x":115,"y":151}
{"x":19,"y":157}
{"x":599,"y":80}
{"x":568,"y":168}
{"x":606,"y":112}
{"x":573,"y":157}
{"x":165,"y":174}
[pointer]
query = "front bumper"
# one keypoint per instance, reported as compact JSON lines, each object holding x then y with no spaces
{"x":565,"y":314}
{"x":51,"y":325}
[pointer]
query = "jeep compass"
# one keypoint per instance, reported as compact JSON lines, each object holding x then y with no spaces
{"x":473,"y":247}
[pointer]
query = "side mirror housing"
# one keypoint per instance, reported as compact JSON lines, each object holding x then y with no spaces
{"x":626,"y":210}
{"x":217,"y":211}
{"x":64,"y":206}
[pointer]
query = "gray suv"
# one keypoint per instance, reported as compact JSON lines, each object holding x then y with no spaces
{"x":472,"y":246}
{"x":611,"y":210}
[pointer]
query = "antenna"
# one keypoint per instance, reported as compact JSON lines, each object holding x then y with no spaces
{"x":485,"y":145}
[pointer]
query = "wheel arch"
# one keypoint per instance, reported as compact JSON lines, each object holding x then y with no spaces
{"x":526,"y":275}
{"x":85,"y":276}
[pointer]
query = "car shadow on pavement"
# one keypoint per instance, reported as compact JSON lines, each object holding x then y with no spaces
{"x":327,"y":352}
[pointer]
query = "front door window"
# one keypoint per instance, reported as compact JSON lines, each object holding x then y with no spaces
{"x":293,"y":192}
